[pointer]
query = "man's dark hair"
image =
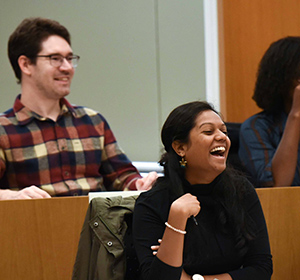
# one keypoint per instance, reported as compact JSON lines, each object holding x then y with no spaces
{"x":28,"y":38}
{"x":278,"y":71}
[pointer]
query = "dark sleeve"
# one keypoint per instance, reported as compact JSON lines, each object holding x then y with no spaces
{"x":256,"y":150}
{"x":150,"y":213}
{"x":258,"y":260}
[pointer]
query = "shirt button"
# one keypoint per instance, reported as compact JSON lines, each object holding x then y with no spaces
{"x":109,"y":243}
{"x":96,"y":224}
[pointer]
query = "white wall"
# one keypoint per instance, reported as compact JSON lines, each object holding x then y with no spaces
{"x":139,"y":60}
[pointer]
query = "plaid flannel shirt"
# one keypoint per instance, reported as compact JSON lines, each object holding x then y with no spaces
{"x":72,"y":156}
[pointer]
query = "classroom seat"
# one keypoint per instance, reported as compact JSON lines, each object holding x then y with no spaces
{"x":233,"y":160}
{"x":233,"y":130}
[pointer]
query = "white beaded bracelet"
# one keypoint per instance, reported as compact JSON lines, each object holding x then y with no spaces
{"x":175,"y":229}
{"x":197,"y":277}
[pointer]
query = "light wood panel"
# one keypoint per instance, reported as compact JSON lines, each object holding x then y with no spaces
{"x":246,"y":29}
{"x":39,"y":238}
{"x":282,"y":213}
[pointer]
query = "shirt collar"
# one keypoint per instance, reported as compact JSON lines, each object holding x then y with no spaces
{"x":25,"y":115}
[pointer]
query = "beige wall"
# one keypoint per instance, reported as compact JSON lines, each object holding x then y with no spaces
{"x":139,"y":59}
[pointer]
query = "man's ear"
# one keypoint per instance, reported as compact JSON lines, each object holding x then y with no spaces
{"x":179,"y":148}
{"x":24,"y":64}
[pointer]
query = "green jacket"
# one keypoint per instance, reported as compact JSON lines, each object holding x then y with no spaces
{"x":101,"y":254}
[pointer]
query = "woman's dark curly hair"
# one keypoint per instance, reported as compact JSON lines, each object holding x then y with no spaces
{"x":278,"y":70}
{"x":229,"y":195}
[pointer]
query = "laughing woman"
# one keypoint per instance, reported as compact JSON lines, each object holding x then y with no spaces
{"x":208,"y":217}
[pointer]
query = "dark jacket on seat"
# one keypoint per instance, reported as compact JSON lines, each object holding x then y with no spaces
{"x":101,"y":253}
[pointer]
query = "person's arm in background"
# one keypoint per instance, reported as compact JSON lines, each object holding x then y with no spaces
{"x":284,"y":162}
{"x":26,"y":193}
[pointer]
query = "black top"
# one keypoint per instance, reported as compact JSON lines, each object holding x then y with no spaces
{"x":215,"y":250}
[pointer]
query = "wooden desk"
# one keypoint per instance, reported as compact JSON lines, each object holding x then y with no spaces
{"x":39,"y":238}
{"x":282,"y":212}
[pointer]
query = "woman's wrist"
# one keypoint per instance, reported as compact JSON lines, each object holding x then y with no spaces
{"x":175,"y":229}
{"x":177,"y":212}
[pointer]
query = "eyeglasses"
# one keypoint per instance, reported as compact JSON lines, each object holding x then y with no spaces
{"x":56,"y":60}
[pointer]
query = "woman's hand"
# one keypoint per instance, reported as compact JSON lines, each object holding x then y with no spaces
{"x":155,"y":248}
{"x":31,"y":192}
{"x":147,"y":182}
{"x":185,"y":206}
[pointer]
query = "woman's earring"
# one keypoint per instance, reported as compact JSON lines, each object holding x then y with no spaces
{"x":183,"y":162}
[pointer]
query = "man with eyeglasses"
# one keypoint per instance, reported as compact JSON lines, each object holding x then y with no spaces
{"x":47,"y":146}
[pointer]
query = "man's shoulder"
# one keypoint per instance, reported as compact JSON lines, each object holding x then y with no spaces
{"x":8,"y":112}
{"x":7,"y":116}
{"x":83,"y":111}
